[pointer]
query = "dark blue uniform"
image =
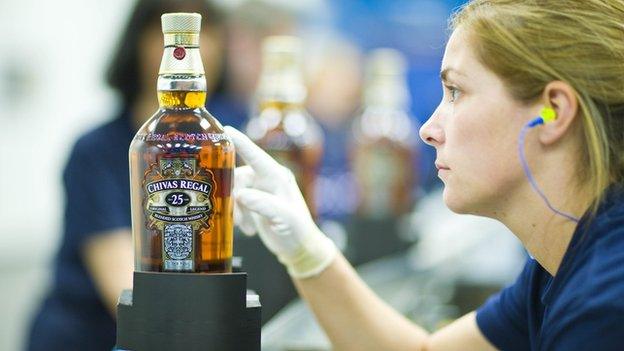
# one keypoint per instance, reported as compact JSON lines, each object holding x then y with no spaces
{"x":335,"y":189}
{"x":582,"y":307}
{"x":96,"y":183}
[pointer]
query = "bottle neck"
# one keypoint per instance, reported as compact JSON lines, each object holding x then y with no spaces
{"x":387,"y":92}
{"x":283,"y":85}
{"x":181,"y":80}
{"x":181,"y":91}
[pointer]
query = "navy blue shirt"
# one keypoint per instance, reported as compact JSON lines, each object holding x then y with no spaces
{"x":335,"y":188}
{"x":96,"y":183}
{"x":582,"y":307}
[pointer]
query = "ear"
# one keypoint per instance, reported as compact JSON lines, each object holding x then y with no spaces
{"x":562,"y":98}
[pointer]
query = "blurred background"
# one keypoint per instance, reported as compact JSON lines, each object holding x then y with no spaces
{"x":369,"y":69}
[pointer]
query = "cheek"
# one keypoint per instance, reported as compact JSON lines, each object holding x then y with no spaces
{"x":484,"y":164}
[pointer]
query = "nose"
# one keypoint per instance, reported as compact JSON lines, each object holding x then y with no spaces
{"x":431,"y":132}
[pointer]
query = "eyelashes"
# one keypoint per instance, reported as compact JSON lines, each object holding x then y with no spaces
{"x":453,"y":92}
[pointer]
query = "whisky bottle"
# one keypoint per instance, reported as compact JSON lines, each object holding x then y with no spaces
{"x":280,"y":123}
{"x":382,"y":148}
{"x":181,"y":166}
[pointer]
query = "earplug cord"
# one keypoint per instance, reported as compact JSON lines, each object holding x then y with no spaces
{"x":527,"y":171}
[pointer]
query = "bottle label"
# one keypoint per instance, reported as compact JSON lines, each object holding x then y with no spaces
{"x":379,"y":172}
{"x":178,"y":202}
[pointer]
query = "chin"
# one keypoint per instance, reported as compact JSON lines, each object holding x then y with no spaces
{"x":464,"y":202}
{"x":458,"y":201}
{"x":452,"y":200}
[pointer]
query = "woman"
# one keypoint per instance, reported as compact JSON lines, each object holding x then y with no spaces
{"x":556,"y":182}
{"x":95,"y":258}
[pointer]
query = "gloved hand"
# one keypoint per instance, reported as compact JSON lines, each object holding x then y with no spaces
{"x":268,"y":201}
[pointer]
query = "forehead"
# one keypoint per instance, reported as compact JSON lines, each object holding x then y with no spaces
{"x":460,"y":59}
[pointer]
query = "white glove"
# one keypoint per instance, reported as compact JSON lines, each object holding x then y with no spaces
{"x":268,"y":201}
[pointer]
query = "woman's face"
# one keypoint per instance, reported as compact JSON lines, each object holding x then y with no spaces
{"x":474,"y":131}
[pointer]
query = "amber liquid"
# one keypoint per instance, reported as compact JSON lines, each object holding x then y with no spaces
{"x":183,"y":128}
{"x":302,"y":158}
{"x":385,"y":178}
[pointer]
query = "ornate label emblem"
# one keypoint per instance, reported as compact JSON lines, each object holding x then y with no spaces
{"x":178,"y":200}
{"x":178,"y":245}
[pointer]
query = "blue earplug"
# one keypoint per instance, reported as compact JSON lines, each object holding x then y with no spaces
{"x":547,"y":115}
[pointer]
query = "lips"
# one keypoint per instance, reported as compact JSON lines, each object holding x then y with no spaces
{"x":440,"y":166}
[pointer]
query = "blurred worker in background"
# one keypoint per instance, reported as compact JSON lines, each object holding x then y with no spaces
{"x":95,"y":258}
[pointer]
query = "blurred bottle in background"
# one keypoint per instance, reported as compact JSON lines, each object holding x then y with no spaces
{"x":383,"y":140}
{"x":377,"y":23}
{"x":247,"y":24}
{"x":383,"y":159}
{"x":280,"y":123}
{"x":334,"y":70}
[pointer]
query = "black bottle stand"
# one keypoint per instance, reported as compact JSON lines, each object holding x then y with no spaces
{"x":188,"y":311}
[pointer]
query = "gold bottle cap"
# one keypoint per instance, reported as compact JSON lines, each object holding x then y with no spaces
{"x":181,"y":29}
{"x":181,"y":22}
{"x":281,"y":51}
{"x":386,"y":83}
{"x":181,"y":34}
{"x":282,"y":44}
{"x":282,"y":76}
{"x":386,"y":62}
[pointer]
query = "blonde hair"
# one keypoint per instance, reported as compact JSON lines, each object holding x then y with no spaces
{"x":529,"y":43}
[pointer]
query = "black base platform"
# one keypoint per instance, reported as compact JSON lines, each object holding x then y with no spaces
{"x":188,"y":311}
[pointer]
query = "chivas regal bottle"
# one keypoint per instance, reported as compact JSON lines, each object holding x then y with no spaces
{"x":181,"y":167}
{"x":383,"y":153}
{"x":280,"y":124}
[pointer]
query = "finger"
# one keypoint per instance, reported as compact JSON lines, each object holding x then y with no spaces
{"x":274,"y":229}
{"x":251,"y":153}
{"x":247,"y":224}
{"x":243,"y":177}
{"x":265,"y":234}
{"x":244,"y":220}
{"x":265,"y":204}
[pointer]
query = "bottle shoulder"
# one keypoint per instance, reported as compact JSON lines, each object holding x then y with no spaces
{"x":294,"y":123}
{"x":172,"y":118}
{"x":187,"y":126}
{"x":375,"y":125}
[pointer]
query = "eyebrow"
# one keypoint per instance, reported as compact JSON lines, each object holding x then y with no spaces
{"x":445,"y":73}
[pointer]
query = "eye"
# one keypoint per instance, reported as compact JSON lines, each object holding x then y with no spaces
{"x":453,"y":92}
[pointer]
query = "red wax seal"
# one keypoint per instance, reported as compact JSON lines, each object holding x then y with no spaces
{"x":179,"y":53}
